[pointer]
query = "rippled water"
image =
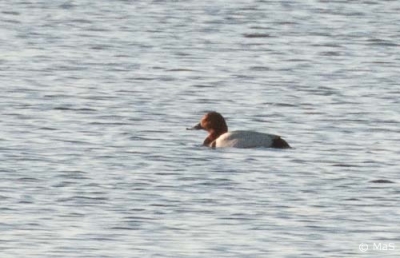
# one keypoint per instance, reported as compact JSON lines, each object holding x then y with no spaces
{"x":96,"y":96}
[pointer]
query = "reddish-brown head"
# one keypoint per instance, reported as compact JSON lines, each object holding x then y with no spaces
{"x":214,"y":123}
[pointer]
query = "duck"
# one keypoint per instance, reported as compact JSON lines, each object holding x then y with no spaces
{"x":219,"y":137}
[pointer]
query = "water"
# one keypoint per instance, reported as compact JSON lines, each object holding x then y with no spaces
{"x":96,"y":96}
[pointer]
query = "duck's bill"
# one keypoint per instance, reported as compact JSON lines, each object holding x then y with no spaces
{"x":196,"y":127}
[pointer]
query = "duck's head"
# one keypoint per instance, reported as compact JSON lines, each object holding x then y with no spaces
{"x":214,"y":123}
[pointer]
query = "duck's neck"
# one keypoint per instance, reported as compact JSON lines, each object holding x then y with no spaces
{"x":213,"y":135}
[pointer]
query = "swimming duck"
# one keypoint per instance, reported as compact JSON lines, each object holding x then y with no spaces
{"x":214,"y":123}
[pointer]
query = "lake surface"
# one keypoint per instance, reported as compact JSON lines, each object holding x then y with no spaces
{"x":96,"y":96}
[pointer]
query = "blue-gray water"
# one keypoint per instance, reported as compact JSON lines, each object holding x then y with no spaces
{"x":96,"y":96}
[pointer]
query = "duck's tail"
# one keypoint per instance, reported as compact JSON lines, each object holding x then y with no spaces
{"x":280,"y":143}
